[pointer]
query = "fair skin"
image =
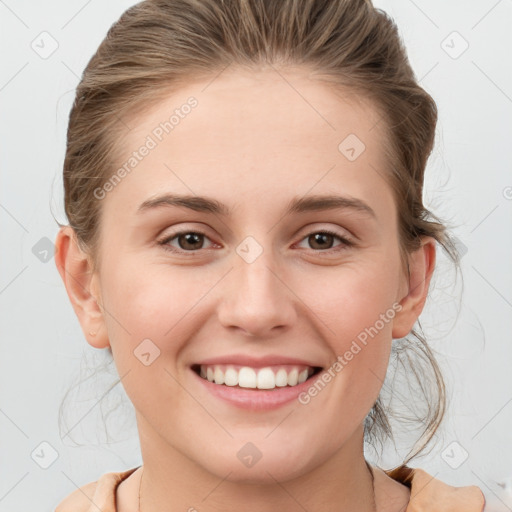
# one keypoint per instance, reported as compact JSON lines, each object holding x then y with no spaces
{"x":253,"y":144}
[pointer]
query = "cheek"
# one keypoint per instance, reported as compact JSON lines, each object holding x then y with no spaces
{"x":355,"y":299}
{"x":358,"y":307}
{"x":150,"y":300}
{"x":153,"y":303}
{"x":148,"y":320}
{"x":360,"y":346}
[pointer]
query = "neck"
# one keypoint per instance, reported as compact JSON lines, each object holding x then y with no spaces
{"x":169,"y":477}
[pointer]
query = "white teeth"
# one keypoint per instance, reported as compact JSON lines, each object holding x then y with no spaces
{"x":231,"y":377}
{"x":218,"y":376}
{"x":281,"y":378}
{"x":263,"y":378}
{"x":266,"y":379}
{"x":303,"y":376}
{"x":247,"y":377}
{"x":293,"y":377}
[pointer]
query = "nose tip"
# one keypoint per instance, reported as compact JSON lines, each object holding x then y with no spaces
{"x":256,"y":300}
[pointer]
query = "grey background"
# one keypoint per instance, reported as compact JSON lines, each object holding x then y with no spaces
{"x":469,"y":184}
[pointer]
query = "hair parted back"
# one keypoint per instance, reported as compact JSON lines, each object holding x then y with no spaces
{"x":159,"y":45}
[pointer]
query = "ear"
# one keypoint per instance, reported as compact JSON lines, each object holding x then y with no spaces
{"x":421,"y":267}
{"x":75,"y":269}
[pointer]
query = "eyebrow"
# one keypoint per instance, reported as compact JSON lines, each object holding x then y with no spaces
{"x":296,"y":205}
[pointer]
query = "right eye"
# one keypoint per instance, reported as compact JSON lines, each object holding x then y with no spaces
{"x":189,"y":241}
{"x":331,"y":234}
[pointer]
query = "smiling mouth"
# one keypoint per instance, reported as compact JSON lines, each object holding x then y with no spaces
{"x":265,"y":378}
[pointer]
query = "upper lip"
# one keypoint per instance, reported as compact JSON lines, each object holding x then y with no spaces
{"x":257,"y":362}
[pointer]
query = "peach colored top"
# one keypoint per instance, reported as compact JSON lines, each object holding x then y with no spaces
{"x":428,"y":494}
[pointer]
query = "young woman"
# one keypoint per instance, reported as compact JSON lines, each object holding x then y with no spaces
{"x":243,"y":184}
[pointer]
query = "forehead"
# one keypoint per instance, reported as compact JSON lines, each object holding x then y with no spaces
{"x":267,"y":132}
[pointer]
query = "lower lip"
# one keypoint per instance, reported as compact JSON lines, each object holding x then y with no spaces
{"x":257,"y":399}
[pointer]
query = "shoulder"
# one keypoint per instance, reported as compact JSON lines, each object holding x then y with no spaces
{"x":79,"y":500}
{"x":390,"y":494}
{"x":429,"y":494}
{"x":97,"y":495}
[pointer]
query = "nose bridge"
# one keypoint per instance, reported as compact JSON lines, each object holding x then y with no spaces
{"x":259,"y":300}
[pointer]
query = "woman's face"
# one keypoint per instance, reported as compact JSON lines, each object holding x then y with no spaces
{"x":255,"y":283}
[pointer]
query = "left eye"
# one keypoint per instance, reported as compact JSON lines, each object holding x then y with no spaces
{"x":191,"y":241}
{"x":319,"y":238}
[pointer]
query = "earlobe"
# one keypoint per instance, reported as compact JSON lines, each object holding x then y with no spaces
{"x":421,"y":268}
{"x":75,"y":269}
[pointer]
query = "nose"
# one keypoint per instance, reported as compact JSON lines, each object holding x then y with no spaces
{"x":256,"y":298}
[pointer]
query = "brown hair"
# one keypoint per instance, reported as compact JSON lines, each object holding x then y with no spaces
{"x":157,"y":45}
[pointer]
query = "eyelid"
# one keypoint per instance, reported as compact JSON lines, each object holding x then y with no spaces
{"x":164,"y":242}
{"x":346,"y":241}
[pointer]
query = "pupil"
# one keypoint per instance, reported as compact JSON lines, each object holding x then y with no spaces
{"x":319,"y":237}
{"x":188,"y":236}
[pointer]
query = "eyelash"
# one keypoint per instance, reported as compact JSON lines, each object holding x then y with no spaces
{"x":345,"y":242}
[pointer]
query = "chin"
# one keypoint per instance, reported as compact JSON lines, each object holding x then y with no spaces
{"x":251,"y":466}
